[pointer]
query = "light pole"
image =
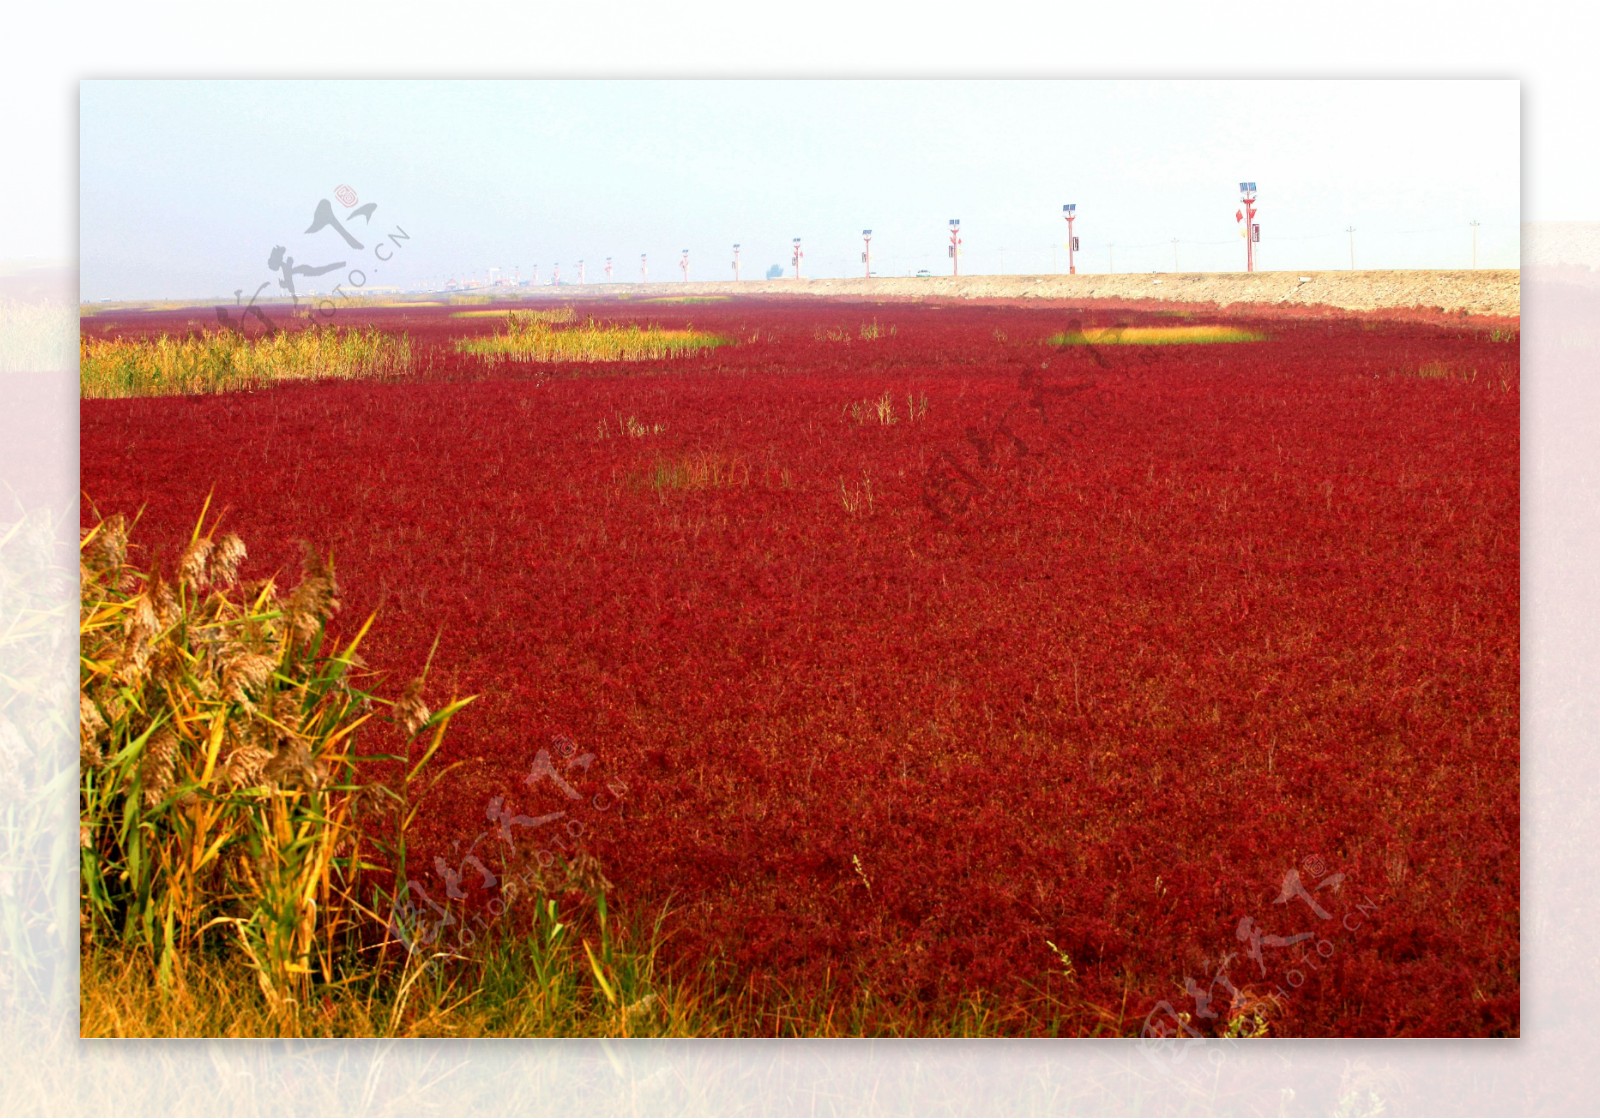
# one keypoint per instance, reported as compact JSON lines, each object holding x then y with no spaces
{"x":1474,"y":224}
{"x":555,"y":276}
{"x":955,"y":246}
{"x":866,"y":253}
{"x":644,"y":269}
{"x":1070,"y":212}
{"x":580,"y":273}
{"x":1252,"y":232}
{"x":736,"y":262}
{"x":533,"y":277}
{"x":1350,"y":229}
{"x":683,"y":262}
{"x":797,"y":257}
{"x":608,"y":269}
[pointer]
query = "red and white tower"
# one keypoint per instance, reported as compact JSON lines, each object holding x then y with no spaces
{"x":1070,"y":212}
{"x":866,"y":252}
{"x":1252,"y":231}
{"x":955,"y":246}
{"x":798,"y":256}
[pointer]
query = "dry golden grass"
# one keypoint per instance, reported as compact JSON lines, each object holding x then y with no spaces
{"x":544,"y":315}
{"x":630,"y":426}
{"x":1154,"y":336}
{"x":884,"y":409}
{"x":223,"y":361}
{"x":534,"y":984}
{"x":568,"y":972}
{"x":529,"y":338}
{"x":221,"y":804}
{"x":700,"y":470}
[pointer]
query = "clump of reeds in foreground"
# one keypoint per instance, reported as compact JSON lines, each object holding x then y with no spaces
{"x":1153,"y":335}
{"x":529,"y":337}
{"x":223,"y":806}
{"x":223,"y":361}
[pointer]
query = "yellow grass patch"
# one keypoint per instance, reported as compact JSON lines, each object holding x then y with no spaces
{"x":550,"y":314}
{"x":223,"y":361}
{"x":702,"y":470}
{"x":528,"y":338}
{"x":1153,"y":335}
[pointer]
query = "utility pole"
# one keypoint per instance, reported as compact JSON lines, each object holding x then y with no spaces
{"x":683,"y":263}
{"x":866,"y":253}
{"x":555,"y":277}
{"x":797,"y":257}
{"x":580,"y":273}
{"x":1252,"y":231}
{"x":1474,"y":224}
{"x":955,"y":246}
{"x":608,"y":269}
{"x":1070,"y":212}
{"x":644,"y":269}
{"x":1350,"y":229}
{"x":736,"y":262}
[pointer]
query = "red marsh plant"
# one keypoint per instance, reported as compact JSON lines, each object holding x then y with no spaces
{"x":1125,"y":632}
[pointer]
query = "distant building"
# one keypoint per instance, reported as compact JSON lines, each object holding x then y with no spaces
{"x":775,"y":272}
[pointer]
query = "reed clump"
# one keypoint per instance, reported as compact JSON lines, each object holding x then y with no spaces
{"x":530,"y":338}
{"x":223,"y":806}
{"x":226,"y":361}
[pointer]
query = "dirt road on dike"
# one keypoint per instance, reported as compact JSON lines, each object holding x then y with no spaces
{"x":1494,"y":292}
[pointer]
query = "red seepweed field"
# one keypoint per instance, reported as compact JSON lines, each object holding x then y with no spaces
{"x":901,"y":656}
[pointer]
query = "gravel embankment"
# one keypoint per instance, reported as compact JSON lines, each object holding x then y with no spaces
{"x":1477,"y":292}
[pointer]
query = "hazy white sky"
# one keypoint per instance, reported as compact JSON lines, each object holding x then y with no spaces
{"x":186,"y":187}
